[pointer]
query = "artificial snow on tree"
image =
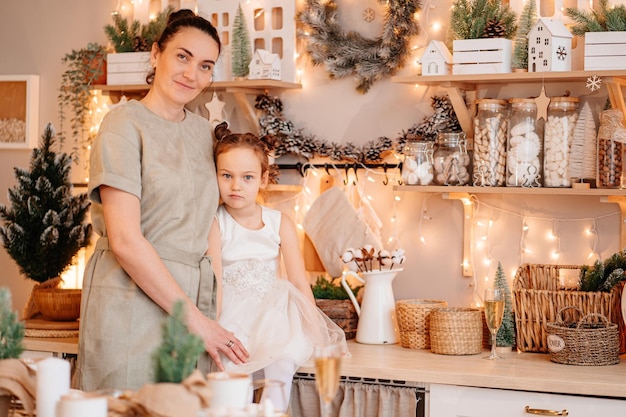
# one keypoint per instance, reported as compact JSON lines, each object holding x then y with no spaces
{"x":444,"y":118}
{"x":506,"y":332}
{"x":241,"y":49}
{"x":176,"y":357}
{"x":527,"y":19}
{"x":583,"y":147}
{"x":11,"y":330}
{"x":45,"y":225}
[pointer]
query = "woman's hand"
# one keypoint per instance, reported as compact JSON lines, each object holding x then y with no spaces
{"x":217,"y":339}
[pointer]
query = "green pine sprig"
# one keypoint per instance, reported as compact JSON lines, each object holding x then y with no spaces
{"x":11,"y":330}
{"x":603,"y":18}
{"x":469,"y":18}
{"x":603,"y":275}
{"x":175,"y":359}
{"x":331,"y":289}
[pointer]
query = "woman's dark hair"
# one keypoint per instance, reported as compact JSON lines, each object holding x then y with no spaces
{"x":184,"y":18}
{"x":226,"y":140}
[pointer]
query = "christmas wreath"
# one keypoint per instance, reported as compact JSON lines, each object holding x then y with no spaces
{"x":346,"y":54}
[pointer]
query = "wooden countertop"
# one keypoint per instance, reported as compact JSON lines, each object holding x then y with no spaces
{"x":519,"y":371}
{"x":52,"y":344}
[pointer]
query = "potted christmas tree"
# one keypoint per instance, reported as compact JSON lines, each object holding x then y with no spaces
{"x":505,"y":338}
{"x":44,"y":227}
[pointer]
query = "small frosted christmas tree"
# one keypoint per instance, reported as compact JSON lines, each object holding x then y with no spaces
{"x":44,"y":227}
{"x":506,"y":333}
{"x":241,"y":50}
{"x":527,"y":19}
{"x":176,"y":357}
{"x":11,"y":330}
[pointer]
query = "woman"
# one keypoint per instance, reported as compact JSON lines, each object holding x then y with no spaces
{"x":151,"y":186}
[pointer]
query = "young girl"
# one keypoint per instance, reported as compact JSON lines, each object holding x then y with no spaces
{"x":274,"y":317}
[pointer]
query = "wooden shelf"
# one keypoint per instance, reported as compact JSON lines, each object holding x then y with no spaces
{"x":239,"y":90}
{"x":601,"y":192}
{"x":455,"y":85}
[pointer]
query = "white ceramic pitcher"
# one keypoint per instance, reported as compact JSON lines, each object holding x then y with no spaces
{"x":377,"y":312}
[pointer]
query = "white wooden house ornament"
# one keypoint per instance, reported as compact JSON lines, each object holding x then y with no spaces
{"x":264,"y":66}
{"x":549,"y":46}
{"x":437,"y":59}
{"x":271,"y":26}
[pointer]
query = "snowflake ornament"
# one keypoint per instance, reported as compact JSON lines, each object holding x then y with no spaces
{"x":593,"y":83}
{"x":561,"y":53}
{"x":369,"y":15}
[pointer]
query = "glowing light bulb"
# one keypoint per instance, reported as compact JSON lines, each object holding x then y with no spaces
{"x":436,"y":27}
{"x":397,"y":198}
{"x":422,"y":240}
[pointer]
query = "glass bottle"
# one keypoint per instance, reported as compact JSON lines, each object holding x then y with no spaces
{"x":557,"y":140}
{"x":417,"y":168}
{"x":611,"y":139}
{"x":490,"y":133}
{"x":524,"y":145}
{"x":451,"y":159}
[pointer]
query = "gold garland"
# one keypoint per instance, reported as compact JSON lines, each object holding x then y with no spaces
{"x":346,"y":54}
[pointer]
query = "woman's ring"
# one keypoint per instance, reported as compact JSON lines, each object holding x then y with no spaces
{"x":230,"y":344}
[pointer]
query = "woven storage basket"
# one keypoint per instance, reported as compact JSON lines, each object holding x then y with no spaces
{"x":538,"y":298}
{"x":58,"y":304}
{"x":456,"y":331}
{"x":414,"y":322}
{"x":583,"y":342}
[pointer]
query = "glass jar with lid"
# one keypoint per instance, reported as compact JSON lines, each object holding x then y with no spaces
{"x":525,"y":145}
{"x":451,"y":159}
{"x":490,"y":133}
{"x":417,"y":167}
{"x":557,"y":141}
{"x":611,"y":147}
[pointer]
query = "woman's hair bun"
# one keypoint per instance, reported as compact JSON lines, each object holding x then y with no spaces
{"x":180,"y":14}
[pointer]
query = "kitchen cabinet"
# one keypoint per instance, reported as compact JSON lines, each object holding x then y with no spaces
{"x":240,"y":90}
{"x":463,"y":89}
{"x":451,"y":401}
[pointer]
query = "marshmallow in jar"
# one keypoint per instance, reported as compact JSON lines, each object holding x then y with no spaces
{"x":490,"y":133}
{"x":557,"y":139}
{"x":525,"y":147}
{"x":451,"y":161}
{"x":417,"y":167}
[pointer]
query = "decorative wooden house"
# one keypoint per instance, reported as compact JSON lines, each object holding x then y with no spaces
{"x":270,"y":24}
{"x":549,"y":46}
{"x":264,"y":66}
{"x":437,"y":59}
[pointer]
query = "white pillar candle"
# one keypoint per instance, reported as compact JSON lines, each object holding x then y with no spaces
{"x":53,"y":381}
{"x":77,"y":404}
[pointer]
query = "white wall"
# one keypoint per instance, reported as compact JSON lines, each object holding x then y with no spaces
{"x":35,"y":36}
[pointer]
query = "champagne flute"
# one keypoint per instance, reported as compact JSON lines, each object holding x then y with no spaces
{"x":327,"y":370}
{"x":494,"y":312}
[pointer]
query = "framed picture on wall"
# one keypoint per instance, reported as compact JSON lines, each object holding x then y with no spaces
{"x":19,"y":111}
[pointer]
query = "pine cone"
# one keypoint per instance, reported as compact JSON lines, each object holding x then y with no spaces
{"x":494,"y":29}
{"x":140,"y":44}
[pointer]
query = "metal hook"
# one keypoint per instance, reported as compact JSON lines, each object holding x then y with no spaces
{"x":355,"y":166}
{"x":327,"y":168}
{"x":345,"y":180}
{"x":386,"y":180}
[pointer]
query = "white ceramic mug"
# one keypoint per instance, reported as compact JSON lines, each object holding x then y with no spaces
{"x":230,"y":390}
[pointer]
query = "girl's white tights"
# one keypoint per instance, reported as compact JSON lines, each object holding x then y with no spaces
{"x":282,"y":371}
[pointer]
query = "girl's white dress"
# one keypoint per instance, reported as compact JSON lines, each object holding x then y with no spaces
{"x":265,"y":311}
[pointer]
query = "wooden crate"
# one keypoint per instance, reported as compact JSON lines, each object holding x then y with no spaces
{"x":128,"y":68}
{"x":342,"y":312}
{"x":481,"y":56}
{"x":605,"y":50}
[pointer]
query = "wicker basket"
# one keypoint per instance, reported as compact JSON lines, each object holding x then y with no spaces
{"x":456,"y":331}
{"x":414,"y":322}
{"x":58,"y":304}
{"x":539,"y":296}
{"x":585,"y":342}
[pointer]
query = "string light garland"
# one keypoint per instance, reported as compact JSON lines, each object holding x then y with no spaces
{"x":346,"y":54}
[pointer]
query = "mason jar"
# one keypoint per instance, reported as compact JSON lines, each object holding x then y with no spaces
{"x":490,"y":133}
{"x":610,"y":150}
{"x":557,"y":141}
{"x":417,"y":166}
{"x":524,"y":145}
{"x":451,"y":159}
